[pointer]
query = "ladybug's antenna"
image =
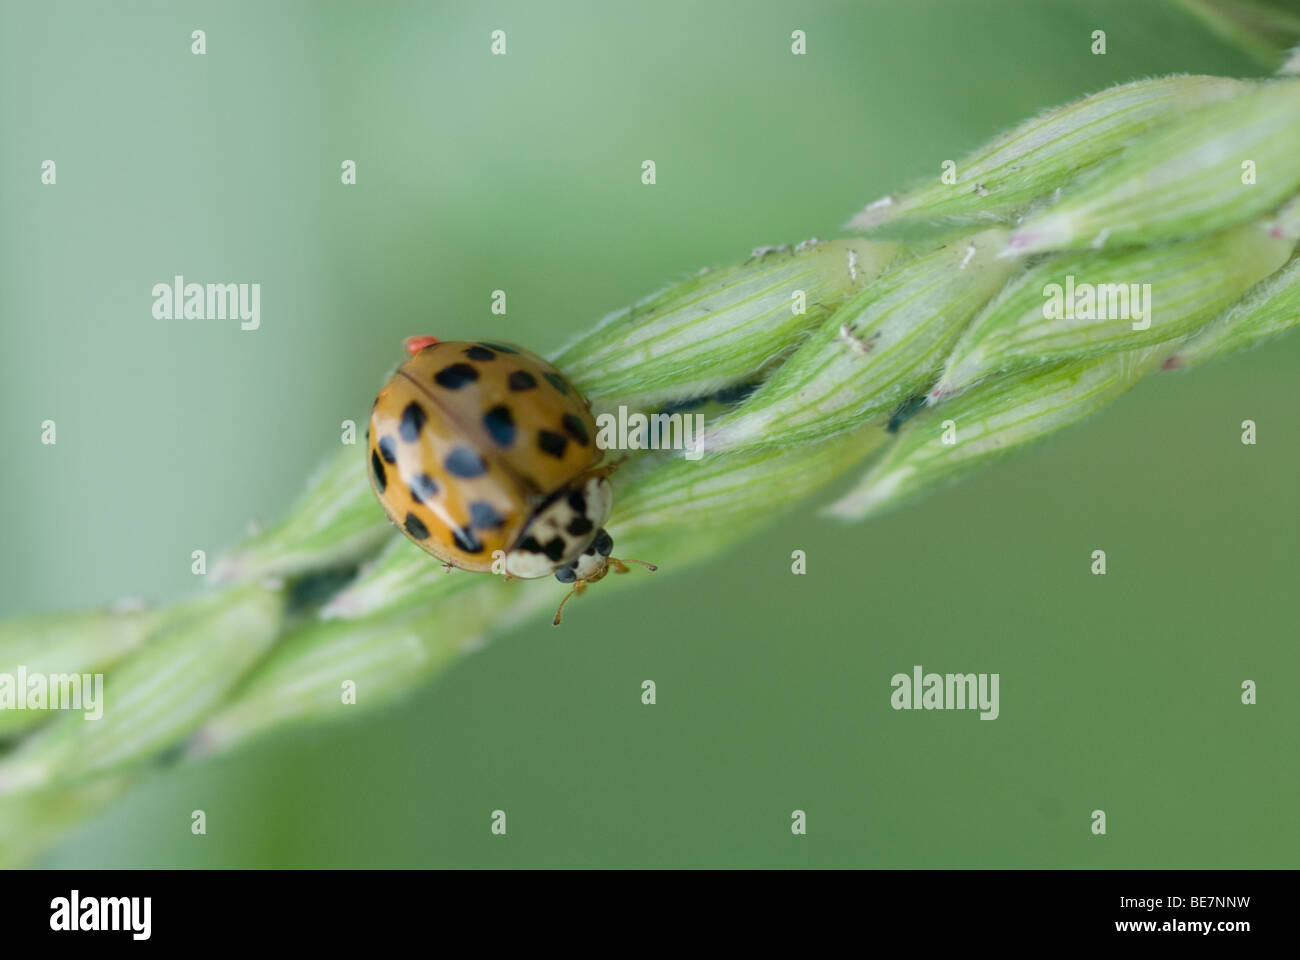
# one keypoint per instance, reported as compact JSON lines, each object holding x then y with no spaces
{"x":619,"y":564}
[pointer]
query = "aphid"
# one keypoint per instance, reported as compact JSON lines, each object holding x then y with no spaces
{"x":480,"y":450}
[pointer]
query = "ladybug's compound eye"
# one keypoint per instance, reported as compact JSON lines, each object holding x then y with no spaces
{"x":415,"y":344}
{"x":603,"y":543}
{"x":567,"y":574}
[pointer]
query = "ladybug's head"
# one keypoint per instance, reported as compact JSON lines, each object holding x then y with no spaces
{"x":591,"y":566}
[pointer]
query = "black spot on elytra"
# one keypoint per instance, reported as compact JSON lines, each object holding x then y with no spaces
{"x":483,"y":516}
{"x":413,"y":418}
{"x":553,"y":443}
{"x":554,"y":548}
{"x":388,"y":449}
{"x":521,"y":380}
{"x":415,"y":527}
{"x":464,"y":462}
{"x":579,"y":526}
{"x":578,"y":503}
{"x":557,"y":382}
{"x":423,"y":487}
{"x":455,"y":376}
{"x":530,"y":545}
{"x":566,"y":574}
{"x":603,"y":543}
{"x":381,"y":476}
{"x":479,"y":353}
{"x":501,"y":425}
{"x":499,"y":347}
{"x":575,"y":428}
{"x":466,"y":540}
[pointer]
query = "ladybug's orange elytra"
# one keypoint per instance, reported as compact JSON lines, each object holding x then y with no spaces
{"x":483,"y":452}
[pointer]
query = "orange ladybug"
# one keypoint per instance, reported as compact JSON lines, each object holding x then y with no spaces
{"x":485,"y":456}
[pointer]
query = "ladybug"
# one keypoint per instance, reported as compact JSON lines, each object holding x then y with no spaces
{"x":483,"y":451}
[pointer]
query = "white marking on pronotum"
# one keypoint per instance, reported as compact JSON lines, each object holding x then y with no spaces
{"x":853,"y":265}
{"x":970,"y":252}
{"x":807,"y":245}
{"x":1100,"y":239}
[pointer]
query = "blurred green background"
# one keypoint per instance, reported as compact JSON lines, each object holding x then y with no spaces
{"x":522,"y":172}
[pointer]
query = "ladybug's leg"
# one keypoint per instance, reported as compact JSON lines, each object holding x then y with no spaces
{"x":605,"y":469}
{"x":577,"y":588}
